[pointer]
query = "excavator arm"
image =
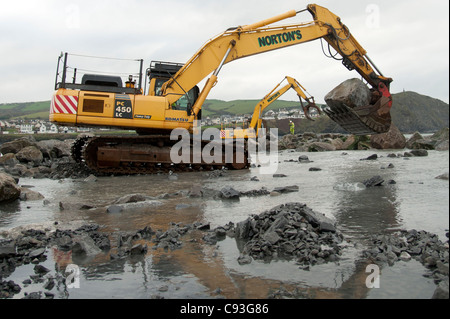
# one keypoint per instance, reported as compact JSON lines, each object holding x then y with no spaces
{"x":239,"y":42}
{"x":275,"y":94}
{"x":256,"y":122}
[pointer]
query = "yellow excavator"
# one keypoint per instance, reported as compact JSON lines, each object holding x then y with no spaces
{"x":174,"y":100}
{"x":253,"y":128}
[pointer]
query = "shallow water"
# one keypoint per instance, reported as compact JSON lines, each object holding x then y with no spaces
{"x":416,"y":201}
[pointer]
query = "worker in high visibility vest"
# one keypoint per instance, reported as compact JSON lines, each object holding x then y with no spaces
{"x":292,"y":127}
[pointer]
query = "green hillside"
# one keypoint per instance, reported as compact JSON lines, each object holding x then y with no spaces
{"x":410,"y":112}
{"x":29,"y":110}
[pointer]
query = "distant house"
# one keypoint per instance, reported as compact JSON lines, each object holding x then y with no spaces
{"x":26,"y":128}
{"x":48,"y":128}
{"x":269,"y":115}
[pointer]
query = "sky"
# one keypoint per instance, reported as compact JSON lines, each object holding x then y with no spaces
{"x":408,"y":40}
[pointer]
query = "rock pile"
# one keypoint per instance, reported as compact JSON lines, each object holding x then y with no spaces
{"x":33,"y":245}
{"x":25,"y":157}
{"x":229,"y":193}
{"x":438,"y":141}
{"x":420,"y":245}
{"x":291,"y":230}
{"x":394,"y":139}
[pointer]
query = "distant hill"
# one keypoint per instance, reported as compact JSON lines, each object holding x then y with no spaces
{"x":411,"y":112}
{"x":29,"y":110}
{"x":216,"y":108}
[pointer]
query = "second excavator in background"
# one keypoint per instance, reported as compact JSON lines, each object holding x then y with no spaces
{"x":252,"y":128}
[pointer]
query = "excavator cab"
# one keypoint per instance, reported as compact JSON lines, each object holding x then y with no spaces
{"x":159,"y":73}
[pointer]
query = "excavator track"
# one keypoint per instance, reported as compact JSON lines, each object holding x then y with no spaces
{"x":120,"y":155}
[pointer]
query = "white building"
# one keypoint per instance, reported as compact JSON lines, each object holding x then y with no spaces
{"x":26,"y":128}
{"x":48,"y":128}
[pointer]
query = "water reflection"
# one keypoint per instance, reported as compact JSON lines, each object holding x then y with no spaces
{"x":362,"y":211}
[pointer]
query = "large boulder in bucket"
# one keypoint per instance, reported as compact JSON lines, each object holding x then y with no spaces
{"x":359,"y":110}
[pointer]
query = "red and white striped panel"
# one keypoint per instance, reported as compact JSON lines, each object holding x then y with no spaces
{"x":65,"y":104}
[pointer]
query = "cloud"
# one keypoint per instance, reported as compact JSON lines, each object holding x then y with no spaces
{"x":405,"y":41}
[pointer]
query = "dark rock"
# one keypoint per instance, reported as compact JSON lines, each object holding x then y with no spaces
{"x":286,"y":189}
{"x":49,"y":284}
{"x":272,"y":237}
{"x":256,"y":192}
{"x":374,"y":181}
{"x":441,"y":291}
{"x":443,"y":176}
{"x":244,"y":259}
{"x":321,"y":147}
{"x":304,"y":159}
{"x":243,"y":229}
{"x":85,"y":245}
{"x":8,"y":289}
{"x":279,"y":175}
{"x":41,"y":270}
{"x":229,"y":193}
{"x":16,"y":145}
{"x":138,"y":249}
{"x":420,"y":152}
{"x":210,"y":238}
{"x":30,"y":154}
{"x":393,"y":139}
{"x":54,"y":149}
{"x":314,"y":169}
{"x":407,"y":154}
{"x":132,"y":198}
{"x":7,"y":249}
{"x":220,"y":232}
{"x":33,"y":295}
{"x":370,"y":158}
{"x":27,"y":194}
{"x":8,"y":159}
{"x":318,"y":220}
{"x":9,"y":191}
{"x":415,"y":137}
{"x":202,"y":226}
{"x":36,"y":253}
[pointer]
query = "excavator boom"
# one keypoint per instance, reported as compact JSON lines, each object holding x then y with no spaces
{"x":257,"y":38}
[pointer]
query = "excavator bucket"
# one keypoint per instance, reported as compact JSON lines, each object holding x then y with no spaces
{"x":358,"y":109}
